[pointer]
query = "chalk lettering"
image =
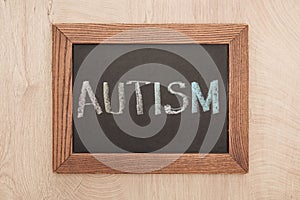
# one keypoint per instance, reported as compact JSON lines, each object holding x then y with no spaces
{"x":185,"y":103}
{"x":139,"y":98}
{"x":86,"y":87}
{"x":212,"y":97}
{"x":197,"y":98}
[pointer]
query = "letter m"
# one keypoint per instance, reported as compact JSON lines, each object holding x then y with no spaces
{"x":212,"y":97}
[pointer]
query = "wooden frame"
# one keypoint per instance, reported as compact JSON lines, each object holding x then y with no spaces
{"x":235,"y":35}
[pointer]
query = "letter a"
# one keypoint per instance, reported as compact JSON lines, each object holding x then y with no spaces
{"x":82,"y":103}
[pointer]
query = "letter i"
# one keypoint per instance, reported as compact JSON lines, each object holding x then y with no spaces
{"x":157,"y":98}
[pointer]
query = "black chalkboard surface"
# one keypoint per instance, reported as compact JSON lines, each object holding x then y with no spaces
{"x":150,"y":129}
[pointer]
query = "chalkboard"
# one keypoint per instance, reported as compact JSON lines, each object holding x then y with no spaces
{"x":139,"y":62}
{"x":155,"y":98}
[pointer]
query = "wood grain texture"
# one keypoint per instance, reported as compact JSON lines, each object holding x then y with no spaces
{"x":187,"y":163}
{"x":238,"y":99}
{"x":202,"y":33}
{"x":235,"y":35}
{"x":61,"y":97}
{"x":26,"y":111}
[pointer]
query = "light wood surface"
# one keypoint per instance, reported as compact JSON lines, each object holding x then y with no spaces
{"x":25,"y":100}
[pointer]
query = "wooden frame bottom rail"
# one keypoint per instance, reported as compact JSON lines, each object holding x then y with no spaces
{"x":186,"y":164}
